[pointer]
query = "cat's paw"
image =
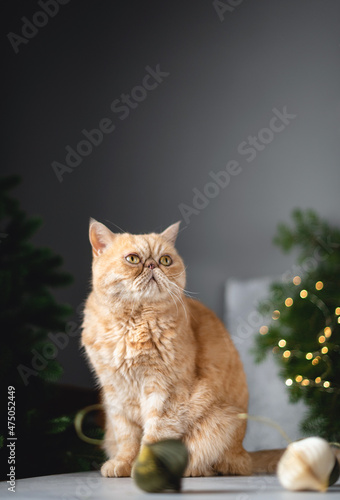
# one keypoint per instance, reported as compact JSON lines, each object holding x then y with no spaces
{"x":116,"y":468}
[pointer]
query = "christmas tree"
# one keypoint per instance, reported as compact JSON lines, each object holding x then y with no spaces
{"x":304,"y":330}
{"x":31,"y":319}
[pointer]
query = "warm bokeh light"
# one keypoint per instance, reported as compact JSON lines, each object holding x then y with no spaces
{"x":289,"y":382}
{"x":298,"y":378}
{"x":324,"y":350}
{"x":322,"y":339}
{"x":318,"y":380}
{"x":337,"y":311}
{"x":288,"y":302}
{"x":282,"y":343}
{"x":327,"y":331}
{"x":303,"y":294}
{"x":309,"y":355}
{"x":319,"y":285}
{"x":315,"y":361}
{"x":276,"y":314}
{"x":263,"y":330}
{"x":305,"y":382}
{"x":296,"y":280}
{"x":286,"y":354}
{"x":326,"y":384}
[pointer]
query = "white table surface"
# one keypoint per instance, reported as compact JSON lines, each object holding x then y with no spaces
{"x":90,"y":485}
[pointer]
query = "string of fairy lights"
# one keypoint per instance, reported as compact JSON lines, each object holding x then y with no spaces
{"x":323,"y":341}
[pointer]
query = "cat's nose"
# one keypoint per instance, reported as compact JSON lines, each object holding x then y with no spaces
{"x":150,"y":264}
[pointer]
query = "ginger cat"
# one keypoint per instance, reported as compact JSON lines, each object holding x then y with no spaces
{"x":166,"y":364}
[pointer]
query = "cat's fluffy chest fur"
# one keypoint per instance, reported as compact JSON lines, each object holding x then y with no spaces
{"x":134,"y":352}
{"x":166,"y":365}
{"x":132,"y":340}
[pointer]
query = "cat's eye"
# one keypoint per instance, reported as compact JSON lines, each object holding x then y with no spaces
{"x":165,"y":260}
{"x":133,"y":258}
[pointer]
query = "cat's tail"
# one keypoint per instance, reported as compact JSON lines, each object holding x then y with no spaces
{"x":265,"y":461}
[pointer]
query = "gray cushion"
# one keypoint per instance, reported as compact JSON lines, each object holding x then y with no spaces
{"x":268,"y":394}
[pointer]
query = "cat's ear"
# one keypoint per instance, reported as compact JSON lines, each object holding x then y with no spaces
{"x":100,"y":237}
{"x":171,"y":233}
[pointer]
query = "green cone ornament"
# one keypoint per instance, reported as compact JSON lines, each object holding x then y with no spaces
{"x":160,"y":466}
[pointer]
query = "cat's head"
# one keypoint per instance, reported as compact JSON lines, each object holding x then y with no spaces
{"x":133,"y":269}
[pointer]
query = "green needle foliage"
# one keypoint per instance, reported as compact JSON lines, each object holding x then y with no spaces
{"x":29,"y":314}
{"x":308,"y":324}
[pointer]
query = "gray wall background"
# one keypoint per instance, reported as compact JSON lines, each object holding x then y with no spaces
{"x":225,"y":77}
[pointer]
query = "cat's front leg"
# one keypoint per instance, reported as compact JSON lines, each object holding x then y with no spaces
{"x":127,"y":443}
{"x":162,"y":417}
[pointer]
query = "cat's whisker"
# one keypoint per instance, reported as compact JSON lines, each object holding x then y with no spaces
{"x":179,"y":274}
{"x":184,"y":308}
{"x":173,"y":299}
{"x":118,"y":227}
{"x":187,"y":292}
{"x":177,"y":294}
{"x":166,"y":283}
